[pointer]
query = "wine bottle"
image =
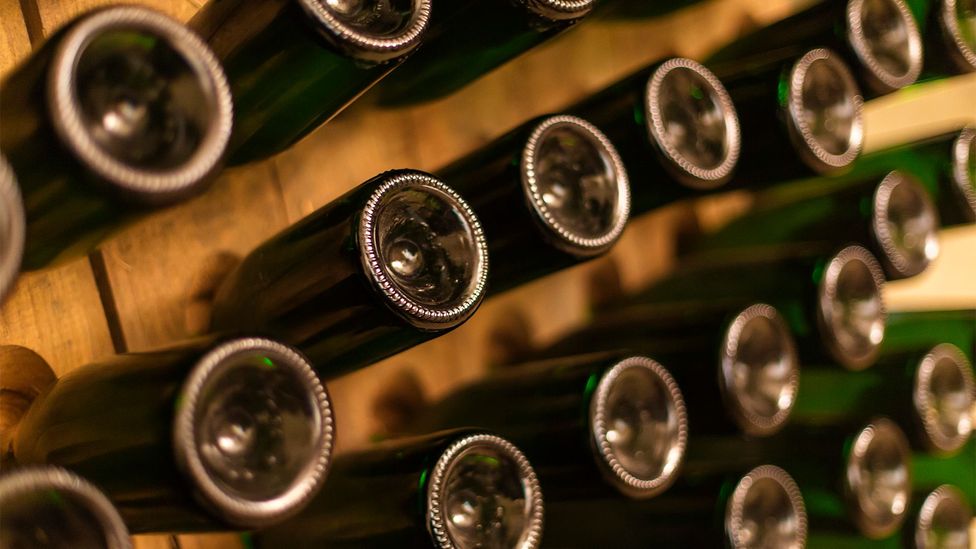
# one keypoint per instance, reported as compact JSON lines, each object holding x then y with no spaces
{"x":592,"y":425}
{"x":895,"y":218}
{"x":121,"y":110}
{"x":801,"y":115}
{"x":394,"y":262}
{"x":459,"y":489}
{"x":50,"y":507}
{"x":207,"y":435}
{"x":929,"y":390}
{"x":949,"y":47}
{"x":833,"y":304}
{"x":550,"y":194}
{"x":469,"y":38}
{"x":737,"y":368}
{"x":880,"y":37}
{"x":675,"y":127}
{"x":294,"y":64}
{"x":909,"y":330}
{"x":11,"y":229}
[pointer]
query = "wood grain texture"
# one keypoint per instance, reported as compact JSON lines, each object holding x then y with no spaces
{"x":51,"y":14}
{"x":14,"y":41}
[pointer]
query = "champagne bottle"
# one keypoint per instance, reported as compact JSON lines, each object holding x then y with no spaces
{"x":592,"y":425}
{"x":895,"y":218}
{"x":50,"y":507}
{"x":392,"y":263}
{"x":880,"y":37}
{"x":550,"y":194}
{"x":121,"y":110}
{"x":469,"y":38}
{"x":450,"y":490}
{"x":207,"y":435}
{"x":909,"y":330}
{"x":11,"y":229}
{"x":833,"y":304}
{"x":294,"y":64}
{"x":675,"y":127}
{"x":950,"y":47}
{"x":737,"y":368}
{"x":801,"y":114}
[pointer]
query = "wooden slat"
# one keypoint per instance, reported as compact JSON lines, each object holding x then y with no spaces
{"x":14,"y":41}
{"x":51,"y":14}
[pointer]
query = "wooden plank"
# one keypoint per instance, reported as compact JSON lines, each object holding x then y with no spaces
{"x":14,"y":41}
{"x":51,"y":14}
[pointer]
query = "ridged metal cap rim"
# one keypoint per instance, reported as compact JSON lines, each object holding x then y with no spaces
{"x":945,"y":494}
{"x":735,"y":509}
{"x":559,"y":10}
{"x":810,"y":150}
{"x":927,"y":412}
{"x":962,"y":151}
{"x":371,"y":47}
{"x":859,"y":42}
{"x":233,"y":509}
{"x":34,"y":478}
{"x":13,"y":231}
{"x":749,"y":421}
{"x":626,"y":482}
{"x":152,"y":185}
{"x":895,"y":257}
{"x":420,"y":315}
{"x":828,"y":293}
{"x":693,"y":175}
{"x":563,"y":237}
{"x":965,"y":55}
{"x":436,"y":519}
{"x":866,"y":520}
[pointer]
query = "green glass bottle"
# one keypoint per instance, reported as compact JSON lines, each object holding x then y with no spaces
{"x":909,"y":330}
{"x":459,"y":489}
{"x":11,"y":229}
{"x":550,"y":194}
{"x":800,"y":113}
{"x":929,"y":391}
{"x":895,"y":218}
{"x":50,"y":507}
{"x":469,"y":38}
{"x":675,"y":127}
{"x":945,"y":164}
{"x":592,"y":425}
{"x":879,"y":37}
{"x":120,"y":111}
{"x":737,"y":368}
{"x":207,"y":435}
{"x":295,"y":64}
{"x":930,"y":470}
{"x":392,"y":263}
{"x":950,"y":45}
{"x":833,"y":304}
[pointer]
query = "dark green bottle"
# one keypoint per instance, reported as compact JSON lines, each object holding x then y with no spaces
{"x":878,"y":37}
{"x":592,"y":425}
{"x":930,"y":391}
{"x":833,"y":304}
{"x":895,"y":218}
{"x":460,"y":489}
{"x":945,"y":164}
{"x":950,"y":45}
{"x":916,"y":329}
{"x":675,"y":127}
{"x":120,"y":111}
{"x":11,"y":229}
{"x":800,"y":113}
{"x":295,"y":64}
{"x":469,"y":38}
{"x":737,"y":368}
{"x":930,"y":470}
{"x":761,"y":509}
{"x":208,"y":435}
{"x":392,"y":263}
{"x":50,"y":507}
{"x":550,"y":194}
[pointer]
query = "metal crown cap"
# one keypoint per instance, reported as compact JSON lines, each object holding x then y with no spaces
{"x":230,"y":504}
{"x":776,"y":489}
{"x":690,"y":171}
{"x":802,"y":133}
{"x":12,"y":228}
{"x":369,"y":46}
{"x":669,"y":453}
{"x":872,"y":49}
{"x":964,"y":167}
{"x":43,"y":479}
{"x":744,"y":408}
{"x":878,"y":481}
{"x":150,"y":185}
{"x":944,"y":510}
{"x":438,"y":487}
{"x":962,"y":51}
{"x":944,"y":386}
{"x":902,"y":203}
{"x":563,"y":236}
